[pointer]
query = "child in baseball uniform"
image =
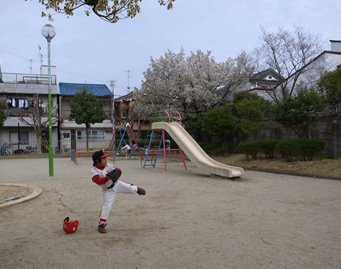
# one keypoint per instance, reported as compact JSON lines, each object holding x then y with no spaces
{"x":110,"y":189}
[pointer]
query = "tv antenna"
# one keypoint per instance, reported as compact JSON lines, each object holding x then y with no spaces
{"x":40,"y":55}
{"x":112,"y":85}
{"x":31,"y":65}
{"x":128,"y":88}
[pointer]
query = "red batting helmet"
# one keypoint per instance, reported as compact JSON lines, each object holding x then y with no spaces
{"x":70,"y":226}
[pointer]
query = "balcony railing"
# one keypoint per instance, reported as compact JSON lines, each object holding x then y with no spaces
{"x":17,"y":112}
{"x":27,"y":78}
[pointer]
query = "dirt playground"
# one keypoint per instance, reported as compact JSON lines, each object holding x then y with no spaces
{"x":186,"y":220}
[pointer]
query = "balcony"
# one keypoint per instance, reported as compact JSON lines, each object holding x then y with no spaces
{"x":27,"y":78}
{"x":22,"y":112}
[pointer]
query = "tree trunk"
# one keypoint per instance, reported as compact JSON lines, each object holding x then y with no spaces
{"x":39,"y":144}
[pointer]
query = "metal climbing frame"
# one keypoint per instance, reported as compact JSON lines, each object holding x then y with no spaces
{"x":163,"y":116}
{"x":117,"y":128}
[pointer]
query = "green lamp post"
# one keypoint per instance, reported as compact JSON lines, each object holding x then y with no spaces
{"x":49,"y":32}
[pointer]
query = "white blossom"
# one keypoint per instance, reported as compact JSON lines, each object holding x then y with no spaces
{"x":192,"y":84}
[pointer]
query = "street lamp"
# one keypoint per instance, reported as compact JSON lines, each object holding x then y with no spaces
{"x":49,"y":32}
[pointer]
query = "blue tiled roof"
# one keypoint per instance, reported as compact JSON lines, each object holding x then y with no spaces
{"x":100,"y":90}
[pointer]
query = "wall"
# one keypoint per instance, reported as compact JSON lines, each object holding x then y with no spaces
{"x":327,"y":128}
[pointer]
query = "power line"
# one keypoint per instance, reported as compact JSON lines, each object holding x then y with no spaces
{"x":41,"y":59}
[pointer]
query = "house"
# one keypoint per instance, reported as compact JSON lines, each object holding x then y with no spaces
{"x":263,"y":82}
{"x":72,"y":135}
{"x":124,"y":113}
{"x":18,"y":90}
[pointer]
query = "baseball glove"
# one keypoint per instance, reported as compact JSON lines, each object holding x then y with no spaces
{"x":114,"y":175}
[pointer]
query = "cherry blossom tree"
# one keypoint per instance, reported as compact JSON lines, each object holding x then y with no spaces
{"x":191,"y":85}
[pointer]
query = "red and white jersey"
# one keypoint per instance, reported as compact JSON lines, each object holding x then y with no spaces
{"x":98,"y":175}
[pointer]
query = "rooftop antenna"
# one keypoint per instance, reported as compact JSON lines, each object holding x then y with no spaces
{"x":0,"y":74}
{"x":112,"y":85}
{"x":128,"y":88}
{"x":31,"y":65}
{"x":40,"y":55}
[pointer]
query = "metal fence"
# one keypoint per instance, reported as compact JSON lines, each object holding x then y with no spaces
{"x":16,"y":147}
{"x":27,"y":78}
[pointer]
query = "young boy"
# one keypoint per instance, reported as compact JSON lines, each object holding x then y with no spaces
{"x":128,"y":150}
{"x":99,"y":173}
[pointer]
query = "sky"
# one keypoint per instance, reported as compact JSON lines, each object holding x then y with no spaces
{"x":90,"y":50}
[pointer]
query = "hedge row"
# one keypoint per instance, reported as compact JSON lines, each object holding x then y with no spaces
{"x":302,"y":149}
{"x":212,"y":148}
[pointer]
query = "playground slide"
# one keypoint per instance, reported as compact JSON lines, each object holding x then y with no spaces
{"x":195,"y":153}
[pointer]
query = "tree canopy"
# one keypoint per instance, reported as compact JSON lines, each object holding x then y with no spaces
{"x":299,"y":112}
{"x":250,"y":108}
{"x":86,"y":110}
{"x":191,"y":85}
{"x":220,"y":123}
{"x":108,"y":10}
{"x":330,"y":87}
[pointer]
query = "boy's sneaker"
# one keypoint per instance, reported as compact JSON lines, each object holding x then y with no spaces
{"x":141,"y":191}
{"x":101,"y":228}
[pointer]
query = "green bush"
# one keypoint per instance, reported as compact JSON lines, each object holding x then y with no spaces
{"x":311,"y":148}
{"x":212,"y":147}
{"x":218,"y":151}
{"x":287,"y":149}
{"x":253,"y":148}
{"x":232,"y":147}
{"x":268,"y":147}
{"x":250,"y":148}
{"x":302,"y":148}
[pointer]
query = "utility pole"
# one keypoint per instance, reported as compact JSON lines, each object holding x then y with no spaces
{"x":112,"y":85}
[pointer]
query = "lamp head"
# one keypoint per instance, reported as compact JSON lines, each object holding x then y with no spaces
{"x":48,"y":32}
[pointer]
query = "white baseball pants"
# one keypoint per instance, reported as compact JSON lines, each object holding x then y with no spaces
{"x":109,"y":196}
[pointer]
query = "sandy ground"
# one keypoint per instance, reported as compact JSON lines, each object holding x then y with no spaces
{"x":186,"y":220}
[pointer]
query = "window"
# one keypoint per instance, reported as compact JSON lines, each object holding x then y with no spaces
{"x":98,"y":106}
{"x":66,"y":135}
{"x":93,"y":135}
{"x":143,"y":135}
{"x":125,"y":111}
{"x":22,"y":138}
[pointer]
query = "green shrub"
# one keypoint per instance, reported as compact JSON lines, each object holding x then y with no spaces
{"x":302,"y":148}
{"x":287,"y":149}
{"x":232,"y":147}
{"x":310,"y":148}
{"x":250,"y":148}
{"x":212,"y":147}
{"x":218,"y":151}
{"x":268,"y":147}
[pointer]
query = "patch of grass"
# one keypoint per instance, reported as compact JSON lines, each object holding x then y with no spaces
{"x":322,"y":167}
